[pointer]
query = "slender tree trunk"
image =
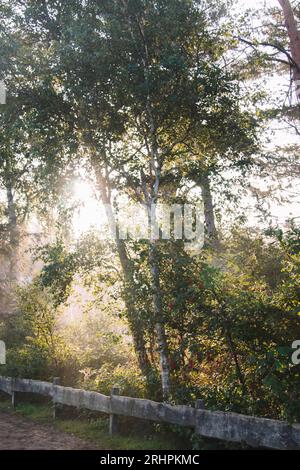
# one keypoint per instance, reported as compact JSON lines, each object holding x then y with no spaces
{"x":211,"y":234}
{"x":12,"y":230}
{"x":11,"y":211}
{"x":158,"y":320}
{"x":294,"y":37}
{"x":151,"y":197}
{"x":238,"y":368}
{"x":135,"y":324}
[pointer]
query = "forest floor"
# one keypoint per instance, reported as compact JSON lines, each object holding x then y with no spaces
{"x":30,"y":426}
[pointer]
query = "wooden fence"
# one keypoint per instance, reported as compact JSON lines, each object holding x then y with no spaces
{"x":232,"y":427}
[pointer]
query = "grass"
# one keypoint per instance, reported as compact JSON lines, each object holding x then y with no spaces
{"x":95,"y":429}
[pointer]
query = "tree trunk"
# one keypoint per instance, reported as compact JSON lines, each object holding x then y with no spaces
{"x":151,"y":197}
{"x":135,"y":324}
{"x":294,"y":37}
{"x":238,"y":369}
{"x":158,"y":320}
{"x":11,"y":211}
{"x":211,"y":234}
{"x":12,"y":230}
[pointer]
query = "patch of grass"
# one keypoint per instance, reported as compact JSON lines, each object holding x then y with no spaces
{"x":95,"y":430}
{"x":36,"y":412}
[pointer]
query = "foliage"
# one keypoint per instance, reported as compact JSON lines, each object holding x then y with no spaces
{"x":139,"y":97}
{"x":126,"y":377}
{"x":35,"y":347}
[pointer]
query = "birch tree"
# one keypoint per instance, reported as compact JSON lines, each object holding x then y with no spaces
{"x":140,"y":82}
{"x":294,"y":40}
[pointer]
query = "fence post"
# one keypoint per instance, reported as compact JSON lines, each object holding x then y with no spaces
{"x":56,"y":381}
{"x":13,"y":399}
{"x":200,"y":405}
{"x":13,"y":394}
{"x":113,"y":419}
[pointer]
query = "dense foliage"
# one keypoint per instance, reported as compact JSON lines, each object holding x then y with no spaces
{"x":143,"y":99}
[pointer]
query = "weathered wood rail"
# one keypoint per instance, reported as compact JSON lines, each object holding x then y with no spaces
{"x":232,"y":427}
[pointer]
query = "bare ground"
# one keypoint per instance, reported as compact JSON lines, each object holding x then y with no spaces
{"x":17,"y":433}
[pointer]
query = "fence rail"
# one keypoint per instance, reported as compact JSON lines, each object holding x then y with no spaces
{"x":232,"y":427}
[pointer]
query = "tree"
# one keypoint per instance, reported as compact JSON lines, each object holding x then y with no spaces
{"x":141,"y":88}
{"x":272,"y":41}
{"x":294,"y":38}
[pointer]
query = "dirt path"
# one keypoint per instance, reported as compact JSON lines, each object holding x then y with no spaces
{"x":19,"y":434}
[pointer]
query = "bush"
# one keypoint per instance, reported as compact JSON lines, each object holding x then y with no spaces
{"x":127,"y":378}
